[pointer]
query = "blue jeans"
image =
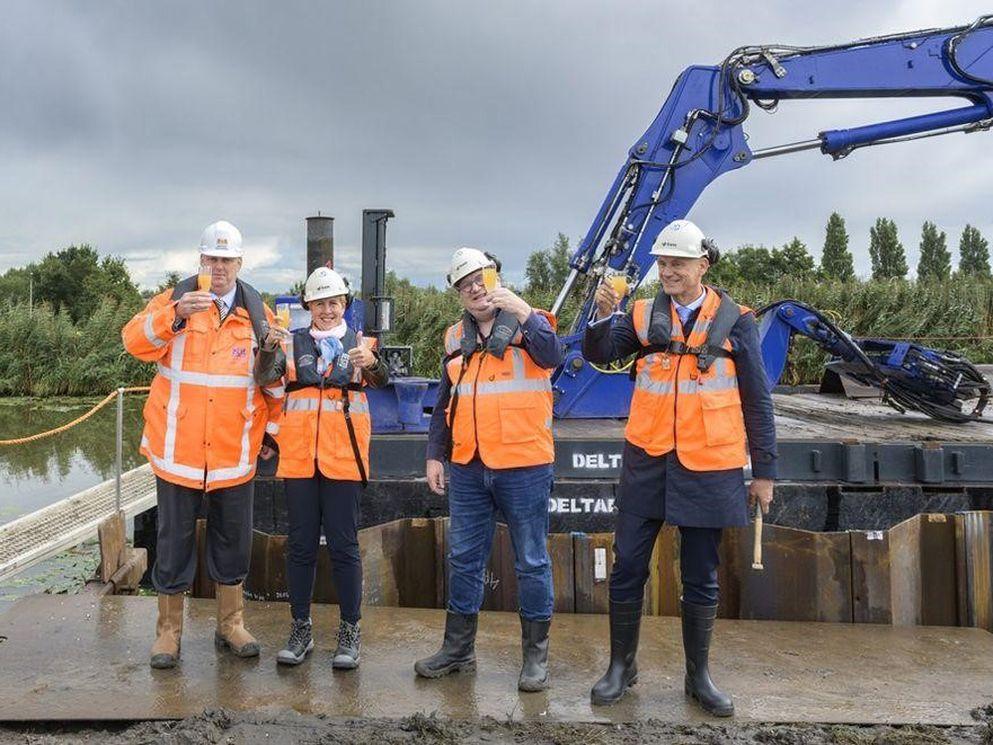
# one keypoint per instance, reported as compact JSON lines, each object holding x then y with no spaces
{"x":521,"y":494}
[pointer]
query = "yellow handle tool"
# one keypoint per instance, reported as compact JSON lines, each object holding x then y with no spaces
{"x":757,"y":542}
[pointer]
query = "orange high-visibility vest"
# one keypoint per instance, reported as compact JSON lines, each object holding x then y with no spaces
{"x":205,"y":416}
{"x":676,"y":406}
{"x":313,"y":432}
{"x":500,"y":409}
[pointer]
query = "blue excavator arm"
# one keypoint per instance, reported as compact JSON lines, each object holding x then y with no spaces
{"x":698,"y":135}
{"x":909,"y":376}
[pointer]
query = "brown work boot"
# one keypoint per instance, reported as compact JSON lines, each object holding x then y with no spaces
{"x":168,"y":630}
{"x":231,"y":631}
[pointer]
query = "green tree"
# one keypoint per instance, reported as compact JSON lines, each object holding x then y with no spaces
{"x":888,"y":258}
{"x":172,"y":279}
{"x":793,"y":260}
{"x":76,"y":280}
{"x":935,"y":262}
{"x":15,"y":285}
{"x":836,"y":259}
{"x":757,"y":264}
{"x":725,"y":273}
{"x":547,"y":269}
{"x":974,"y":253}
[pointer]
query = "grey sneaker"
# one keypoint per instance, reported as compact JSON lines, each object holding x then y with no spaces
{"x":346,"y":656}
{"x":300,"y":643}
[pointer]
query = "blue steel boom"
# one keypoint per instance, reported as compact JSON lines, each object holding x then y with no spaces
{"x":698,"y":135}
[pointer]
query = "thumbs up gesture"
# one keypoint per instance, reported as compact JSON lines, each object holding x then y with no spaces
{"x":361,"y":354}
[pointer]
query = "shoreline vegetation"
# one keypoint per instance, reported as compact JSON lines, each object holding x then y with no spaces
{"x":62,"y":316}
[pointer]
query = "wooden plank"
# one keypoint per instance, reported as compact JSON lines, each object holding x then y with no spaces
{"x":734,"y":569}
{"x":872,"y":593}
{"x":807,"y":576}
{"x":594,"y":558}
{"x":664,"y":585}
{"x":262,"y":582}
{"x":973,"y":537}
{"x":499,"y":579}
{"x":203,"y":585}
{"x":112,"y":545}
{"x":128,"y":576}
{"x":939,"y":599}
{"x":414,"y":564}
{"x":378,"y":546}
{"x":563,"y":571}
{"x":441,"y":561}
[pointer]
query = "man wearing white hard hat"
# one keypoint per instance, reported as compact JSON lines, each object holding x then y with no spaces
{"x":205,"y":422}
{"x":700,"y":408}
{"x":493,"y":424}
{"x":323,"y":440}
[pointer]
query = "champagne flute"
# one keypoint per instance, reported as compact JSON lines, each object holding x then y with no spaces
{"x":283,"y":315}
{"x":204,"y":278}
{"x":490,"y":278}
{"x":618,"y":282}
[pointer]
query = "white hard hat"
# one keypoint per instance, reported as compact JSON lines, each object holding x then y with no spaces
{"x":322,"y":283}
{"x":221,"y":238}
{"x":465,"y":261}
{"x":681,"y":239}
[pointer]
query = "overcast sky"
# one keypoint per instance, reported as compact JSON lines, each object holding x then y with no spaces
{"x":131,"y":125}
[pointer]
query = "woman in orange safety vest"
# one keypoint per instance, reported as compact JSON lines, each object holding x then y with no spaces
{"x":323,"y":456}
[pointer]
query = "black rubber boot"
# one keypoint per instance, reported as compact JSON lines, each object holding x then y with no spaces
{"x":625,"y":623}
{"x":534,"y":650}
{"x":458,"y":651}
{"x":698,"y":626}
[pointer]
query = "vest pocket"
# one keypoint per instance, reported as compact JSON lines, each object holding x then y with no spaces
{"x":723,"y":422}
{"x":517,"y":420}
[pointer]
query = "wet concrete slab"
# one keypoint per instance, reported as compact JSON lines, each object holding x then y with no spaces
{"x":80,"y":658}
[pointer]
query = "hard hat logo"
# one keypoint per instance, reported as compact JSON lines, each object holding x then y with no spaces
{"x":221,"y":239}
{"x":681,"y":239}
{"x":323,"y":283}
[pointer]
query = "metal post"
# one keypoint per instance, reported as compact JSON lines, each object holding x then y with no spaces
{"x":320,"y":242}
{"x":374,"y":269}
{"x":120,"y":446}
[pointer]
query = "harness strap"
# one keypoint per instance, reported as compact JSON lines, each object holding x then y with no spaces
{"x":728,"y":313}
{"x":346,"y":403}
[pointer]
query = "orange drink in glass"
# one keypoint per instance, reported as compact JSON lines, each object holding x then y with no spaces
{"x":490,"y":279}
{"x":203,"y":278}
{"x":619,"y":284}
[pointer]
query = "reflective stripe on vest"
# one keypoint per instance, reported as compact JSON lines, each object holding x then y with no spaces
{"x":177,"y":378}
{"x":502,"y":408}
{"x":314,"y":433}
{"x":676,"y":406}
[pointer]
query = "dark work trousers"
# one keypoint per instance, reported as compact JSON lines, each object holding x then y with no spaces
{"x":334,"y":505}
{"x":229,"y":535}
{"x":634,"y":538}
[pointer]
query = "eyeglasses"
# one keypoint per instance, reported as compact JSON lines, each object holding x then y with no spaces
{"x":467,"y":285}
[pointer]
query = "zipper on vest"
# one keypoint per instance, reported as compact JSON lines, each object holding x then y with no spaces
{"x":675,"y":403}
{"x":475,"y":390}
{"x":317,"y":439}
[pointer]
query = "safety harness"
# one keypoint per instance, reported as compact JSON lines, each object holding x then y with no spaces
{"x":338,"y":375}
{"x":660,"y":332}
{"x":502,"y":334}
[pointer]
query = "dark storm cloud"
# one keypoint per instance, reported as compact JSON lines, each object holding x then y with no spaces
{"x":131,"y":125}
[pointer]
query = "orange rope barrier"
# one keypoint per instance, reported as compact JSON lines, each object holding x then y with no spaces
{"x":110,"y":397}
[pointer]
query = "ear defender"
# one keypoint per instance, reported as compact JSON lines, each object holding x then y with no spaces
{"x":713,"y":253}
{"x":348,"y":297}
{"x":494,"y":259}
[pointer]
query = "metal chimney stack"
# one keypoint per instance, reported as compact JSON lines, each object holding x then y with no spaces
{"x":320,"y":242}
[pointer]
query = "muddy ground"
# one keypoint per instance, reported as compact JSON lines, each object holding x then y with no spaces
{"x":286,"y":728}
